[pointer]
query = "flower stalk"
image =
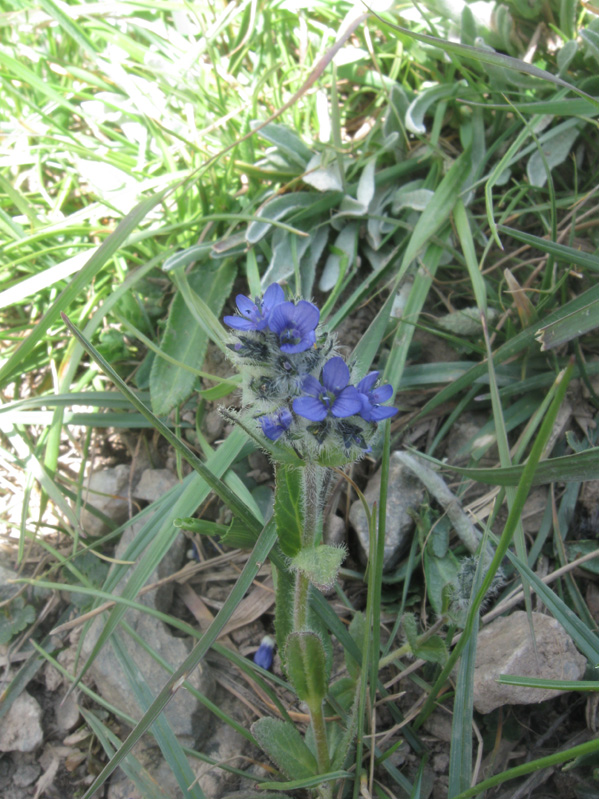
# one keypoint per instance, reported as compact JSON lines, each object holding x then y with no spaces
{"x":300,"y":399}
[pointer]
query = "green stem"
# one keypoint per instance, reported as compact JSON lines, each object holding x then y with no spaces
{"x":312,"y":510}
{"x":406,"y":649}
{"x":322,"y":748}
{"x":300,"y":602}
{"x":312,"y":503}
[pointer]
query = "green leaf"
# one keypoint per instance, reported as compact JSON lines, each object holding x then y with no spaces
{"x":276,"y":209}
{"x":289,"y":514}
{"x":190,"y":255}
{"x":439,"y":572}
{"x":285,"y":746}
{"x":561,"y":252}
{"x":488,"y":56}
{"x":568,"y":327}
{"x":306,"y":666}
{"x":320,"y":564}
{"x":419,"y":106}
{"x":555,"y":150}
{"x":14,"y":618}
{"x":356,"y":630}
{"x":576,"y":468}
{"x":433,"y":650}
{"x":287,"y":142}
{"x":577,"y":549}
{"x":185,"y":341}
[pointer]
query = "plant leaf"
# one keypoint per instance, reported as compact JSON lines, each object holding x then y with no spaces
{"x":306,"y":666}
{"x":288,"y":513}
{"x":185,"y":341}
{"x":285,"y":746}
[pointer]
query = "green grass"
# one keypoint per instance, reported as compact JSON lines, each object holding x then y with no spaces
{"x":159,"y":157}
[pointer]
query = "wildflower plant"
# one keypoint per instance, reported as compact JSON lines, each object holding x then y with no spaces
{"x":301,"y":402}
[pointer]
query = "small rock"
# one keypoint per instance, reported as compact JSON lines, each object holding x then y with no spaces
{"x":505,"y":647}
{"x":465,"y":437}
{"x":158,"y":771}
{"x":154,"y":483}
{"x":66,"y":712}
{"x":52,"y":678}
{"x":26,"y":771}
{"x":405,"y":493}
{"x":534,"y":509}
{"x":213,"y":425}
{"x":107,"y":491}
{"x":225,"y":746}
{"x":441,"y":763}
{"x":334,"y":531}
{"x":185,"y":714}
{"x":21,"y":728}
{"x":438,"y":724}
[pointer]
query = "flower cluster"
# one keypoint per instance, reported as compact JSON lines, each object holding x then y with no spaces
{"x":295,"y":383}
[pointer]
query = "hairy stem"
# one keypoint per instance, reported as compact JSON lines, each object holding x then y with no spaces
{"x":322,"y":749}
{"x":300,"y":602}
{"x":312,"y":511}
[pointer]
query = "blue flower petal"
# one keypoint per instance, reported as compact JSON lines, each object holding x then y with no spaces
{"x":310,"y":408}
{"x":281,"y":317}
{"x":307,"y":315}
{"x":246,"y":306}
{"x":264,"y":654}
{"x":380,"y":412}
{"x":307,"y":341}
{"x":239,"y":323}
{"x":381,"y":394}
{"x":335,"y":375}
{"x":311,"y":386}
{"x":348,"y":403}
{"x":273,"y":296}
{"x":273,"y":426}
{"x":366,"y":383}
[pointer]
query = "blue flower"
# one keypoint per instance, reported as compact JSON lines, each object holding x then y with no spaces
{"x":333,"y":396}
{"x":295,"y":325}
{"x":371,"y":399}
{"x":264,"y":654}
{"x":255,"y":315}
{"x":274,"y":425}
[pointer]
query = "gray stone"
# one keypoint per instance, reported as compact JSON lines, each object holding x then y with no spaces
{"x":26,"y":771}
{"x":334,"y":533}
{"x":107,"y":491}
{"x":213,"y":425}
{"x":157,"y":770}
{"x":405,"y":493}
{"x":505,"y":647}
{"x":184,"y":713}
{"x":66,"y":711}
{"x":154,"y":483}
{"x":21,"y":728}
{"x":226,"y":746}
